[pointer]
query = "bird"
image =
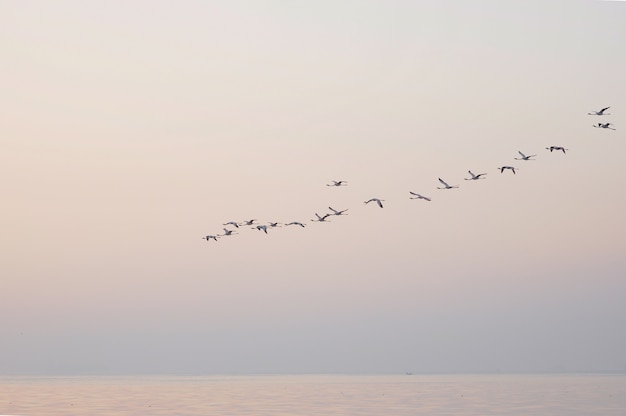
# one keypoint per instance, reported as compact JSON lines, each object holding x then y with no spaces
{"x":378,"y":201}
{"x":296,"y":223}
{"x":557,"y":148}
{"x":336,"y":212}
{"x":600,"y":113}
{"x":233,"y":223}
{"x":322,"y":218}
{"x":418,"y":196}
{"x":604,"y":126}
{"x":446,"y":186}
{"x":228,"y":232}
{"x":273,"y":224}
{"x":210,"y":237}
{"x":474,"y":177}
{"x":248,"y":222}
{"x":337,"y":183}
{"x":511,"y":168}
{"x":262,"y":228}
{"x":524,"y":157}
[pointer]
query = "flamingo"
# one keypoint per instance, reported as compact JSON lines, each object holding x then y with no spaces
{"x":273,"y":224}
{"x":210,"y":237}
{"x":322,"y":218}
{"x":418,"y":196}
{"x":600,"y":113}
{"x":336,"y":212}
{"x":446,"y":186}
{"x":474,"y":177}
{"x":511,"y":168}
{"x":604,"y":126}
{"x":228,"y":232}
{"x":296,"y":223}
{"x":262,"y":228}
{"x":378,"y":201}
{"x":524,"y":157}
{"x":337,"y":183}
{"x":248,"y":222}
{"x":233,"y":223}
{"x":557,"y":148}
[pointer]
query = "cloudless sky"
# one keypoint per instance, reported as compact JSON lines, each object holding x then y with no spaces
{"x":130,"y":130}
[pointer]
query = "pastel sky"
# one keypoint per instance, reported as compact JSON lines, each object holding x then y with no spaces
{"x":130,"y":130}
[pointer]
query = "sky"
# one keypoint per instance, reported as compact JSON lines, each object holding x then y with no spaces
{"x":131,"y":130}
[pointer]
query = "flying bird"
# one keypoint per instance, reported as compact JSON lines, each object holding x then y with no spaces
{"x":322,"y":218}
{"x":557,"y":148}
{"x":336,"y":212}
{"x":273,"y":224}
{"x":445,"y":185}
{"x":233,"y":223}
{"x":503,"y":168}
{"x":210,"y":237}
{"x":262,"y":228}
{"x":228,"y":232}
{"x":418,"y":196}
{"x":604,"y":126}
{"x":296,"y":223}
{"x":474,"y":177}
{"x":337,"y":183}
{"x":600,"y":113}
{"x":378,"y":201}
{"x":524,"y":157}
{"x":248,"y":222}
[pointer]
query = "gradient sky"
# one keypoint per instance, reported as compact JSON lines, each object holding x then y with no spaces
{"x":129,"y":130}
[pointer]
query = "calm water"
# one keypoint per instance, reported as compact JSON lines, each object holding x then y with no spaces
{"x":459,"y":395}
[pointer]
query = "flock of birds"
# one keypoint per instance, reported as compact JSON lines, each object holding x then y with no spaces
{"x":252,"y":223}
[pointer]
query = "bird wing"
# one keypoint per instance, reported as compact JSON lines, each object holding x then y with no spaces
{"x":443,"y":182}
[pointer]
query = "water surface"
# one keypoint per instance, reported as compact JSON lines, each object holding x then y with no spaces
{"x":459,"y":395}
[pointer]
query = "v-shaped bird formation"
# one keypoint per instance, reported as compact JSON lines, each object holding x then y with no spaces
{"x":325,"y":217}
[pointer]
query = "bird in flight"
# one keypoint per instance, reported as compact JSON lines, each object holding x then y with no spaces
{"x":296,"y":223}
{"x":322,"y":218}
{"x":228,"y":232}
{"x":557,"y":148}
{"x":378,"y":201}
{"x":262,"y":228}
{"x":600,"y":113}
{"x":445,"y":185}
{"x":511,"y":168}
{"x":273,"y":224}
{"x":233,"y":223}
{"x":419,"y":196}
{"x":604,"y":126}
{"x":336,"y":212}
{"x":337,"y":183}
{"x":474,"y":177}
{"x":524,"y":157}
{"x":248,"y":222}
{"x":210,"y":237}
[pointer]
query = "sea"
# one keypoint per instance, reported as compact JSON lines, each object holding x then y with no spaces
{"x":327,"y":395}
